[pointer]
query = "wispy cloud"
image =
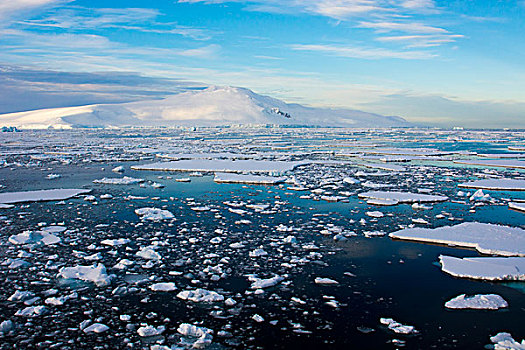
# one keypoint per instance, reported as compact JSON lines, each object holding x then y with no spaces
{"x":12,"y":7}
{"x":133,"y":19}
{"x":415,"y":41}
{"x":366,"y":53}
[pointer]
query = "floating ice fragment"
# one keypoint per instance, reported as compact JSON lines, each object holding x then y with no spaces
{"x":397,"y":327}
{"x":486,"y":268}
{"x":126,"y":180}
{"x":96,"y":274}
{"x":96,"y":328}
{"x":150,"y":331}
{"x":163,"y":287}
{"x":479,"y":301}
{"x":154,"y":214}
{"x":201,"y":296}
{"x":39,"y":196}
{"x":322,"y":280}
{"x":504,"y":341}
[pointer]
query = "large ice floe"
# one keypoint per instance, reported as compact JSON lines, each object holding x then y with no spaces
{"x":393,"y":198}
{"x":224,"y":166}
{"x":41,"y":195}
{"x":517,"y":206}
{"x":96,"y":274}
{"x":503,"y":163}
{"x":485,"y":238}
{"x":247,"y":179}
{"x":126,"y":180}
{"x":478,"y":301}
{"x":484,"y":268}
{"x":496,"y":184}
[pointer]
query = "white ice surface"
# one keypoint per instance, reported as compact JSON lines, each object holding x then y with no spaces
{"x":200,"y":296}
{"x":486,"y":268}
{"x":401,"y":197}
{"x":501,"y":163}
{"x":96,"y":274}
{"x":496,"y":184}
{"x":41,"y":195}
{"x":154,"y":214}
{"x":478,"y":301}
{"x":485,"y":238}
{"x":126,"y":180}
{"x":247,"y":179}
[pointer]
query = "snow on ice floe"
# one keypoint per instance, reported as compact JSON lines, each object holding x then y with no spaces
{"x":223,"y":166}
{"x":126,"y":180}
{"x":201,"y":296}
{"x":496,"y":184}
{"x":197,"y":337}
{"x":498,"y":163}
{"x":485,"y":238}
{"x":397,"y":327}
{"x":247,"y":179}
{"x":485,"y":268}
{"x":517,"y":206}
{"x":261,"y":283}
{"x":505,"y":341}
{"x":41,"y":195}
{"x":96,"y":274}
{"x":478,"y":301}
{"x":392,"y":197}
{"x":163,"y":287}
{"x":30,"y":237}
{"x":154,"y":214}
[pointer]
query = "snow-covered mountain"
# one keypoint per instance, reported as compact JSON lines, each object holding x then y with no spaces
{"x":214,"y":106}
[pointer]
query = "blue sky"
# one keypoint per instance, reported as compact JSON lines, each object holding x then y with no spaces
{"x":441,"y":63}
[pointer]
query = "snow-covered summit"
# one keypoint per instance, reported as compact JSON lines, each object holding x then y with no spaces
{"x":214,"y":106}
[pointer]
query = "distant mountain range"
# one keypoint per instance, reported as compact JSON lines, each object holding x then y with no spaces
{"x":214,"y":106}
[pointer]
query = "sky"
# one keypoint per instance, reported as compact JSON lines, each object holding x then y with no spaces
{"x":437,"y":63}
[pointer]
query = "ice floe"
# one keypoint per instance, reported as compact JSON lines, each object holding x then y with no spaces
{"x":484,"y":268}
{"x":390,"y":198}
{"x":154,"y":214}
{"x":397,"y":327}
{"x":496,"y":184}
{"x":485,"y":238}
{"x":126,"y":180}
{"x":223,"y":166}
{"x":505,"y":341}
{"x":247,"y":179}
{"x":478,"y":301}
{"x":201,"y":296}
{"x":40,"y":196}
{"x":96,"y":274}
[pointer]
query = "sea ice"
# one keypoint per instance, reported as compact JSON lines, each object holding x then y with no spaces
{"x":154,"y":214}
{"x":478,"y":301}
{"x":247,"y":179}
{"x":163,"y":287}
{"x":96,"y":274}
{"x":397,"y":327}
{"x":496,"y":184}
{"x":485,"y":238}
{"x":486,"y":268}
{"x":201,"y":296}
{"x":400,"y":197}
{"x":40,"y":196}
{"x":126,"y":180}
{"x":504,"y":341}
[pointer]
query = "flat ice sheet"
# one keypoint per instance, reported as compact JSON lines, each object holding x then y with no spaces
{"x":247,"y":179}
{"x":225,"y":166}
{"x":401,"y":197}
{"x":502,"y":163}
{"x":485,"y":238}
{"x":517,"y":206}
{"x":496,"y":184}
{"x":489,"y":268}
{"x":41,"y":195}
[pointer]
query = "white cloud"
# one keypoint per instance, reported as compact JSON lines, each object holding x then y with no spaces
{"x":9,"y":8}
{"x":366,"y":53}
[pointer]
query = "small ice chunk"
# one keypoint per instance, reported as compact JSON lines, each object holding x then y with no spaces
{"x":96,"y":274}
{"x":96,"y":328}
{"x":322,"y":280}
{"x":163,"y":287}
{"x":478,"y":301}
{"x":201,"y":296}
{"x":150,"y":331}
{"x":154,"y":214}
{"x":397,"y":327}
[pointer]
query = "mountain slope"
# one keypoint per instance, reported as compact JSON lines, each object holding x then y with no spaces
{"x":213,"y":106}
